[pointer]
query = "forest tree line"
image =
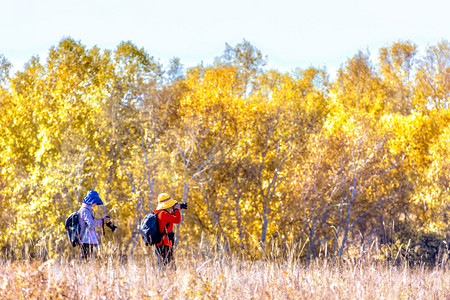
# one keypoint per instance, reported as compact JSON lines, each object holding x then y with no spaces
{"x":264,"y":158}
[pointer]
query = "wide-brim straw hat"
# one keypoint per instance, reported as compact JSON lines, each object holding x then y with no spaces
{"x":165,"y":202}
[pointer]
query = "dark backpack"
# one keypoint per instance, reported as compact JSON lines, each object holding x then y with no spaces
{"x":149,"y":229}
{"x":73,"y":228}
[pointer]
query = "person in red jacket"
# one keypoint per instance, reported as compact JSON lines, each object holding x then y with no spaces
{"x":168,"y":213}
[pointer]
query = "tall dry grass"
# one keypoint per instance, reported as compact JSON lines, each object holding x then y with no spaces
{"x":218,"y":276}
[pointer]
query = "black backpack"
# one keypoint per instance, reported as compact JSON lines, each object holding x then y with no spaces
{"x":149,"y":229}
{"x":73,"y":228}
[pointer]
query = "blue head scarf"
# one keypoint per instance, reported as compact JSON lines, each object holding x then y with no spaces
{"x":92,"y":197}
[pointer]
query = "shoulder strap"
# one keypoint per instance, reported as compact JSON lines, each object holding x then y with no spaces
{"x":83,"y":230}
{"x":167,"y":224}
{"x":165,"y":227}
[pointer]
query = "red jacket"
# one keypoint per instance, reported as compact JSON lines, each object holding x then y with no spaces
{"x":165,"y":217}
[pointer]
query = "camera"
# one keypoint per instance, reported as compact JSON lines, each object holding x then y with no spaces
{"x":111,"y":226}
{"x":183,"y":205}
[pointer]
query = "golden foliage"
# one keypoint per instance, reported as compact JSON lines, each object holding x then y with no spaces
{"x":261,"y":156}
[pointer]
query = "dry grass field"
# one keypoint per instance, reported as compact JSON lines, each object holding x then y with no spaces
{"x":218,"y":277}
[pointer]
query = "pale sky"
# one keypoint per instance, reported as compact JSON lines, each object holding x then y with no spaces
{"x":293,"y":34}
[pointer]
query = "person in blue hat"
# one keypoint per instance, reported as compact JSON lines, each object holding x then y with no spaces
{"x":89,"y":237}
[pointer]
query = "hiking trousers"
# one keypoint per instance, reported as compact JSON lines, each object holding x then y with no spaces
{"x":87,"y":250}
{"x":164,"y":254}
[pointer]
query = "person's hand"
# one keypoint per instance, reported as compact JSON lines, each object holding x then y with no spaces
{"x":176,"y":206}
{"x":106,"y":219}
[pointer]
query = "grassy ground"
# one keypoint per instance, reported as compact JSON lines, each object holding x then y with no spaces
{"x":220,"y":277}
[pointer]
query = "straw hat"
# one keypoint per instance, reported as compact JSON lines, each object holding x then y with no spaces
{"x":164,"y":201}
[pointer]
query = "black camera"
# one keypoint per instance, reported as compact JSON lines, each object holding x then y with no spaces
{"x":183,"y":205}
{"x":111,"y":226}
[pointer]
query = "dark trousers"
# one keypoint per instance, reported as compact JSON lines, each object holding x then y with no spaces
{"x":164,"y":254}
{"x":87,"y":251}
